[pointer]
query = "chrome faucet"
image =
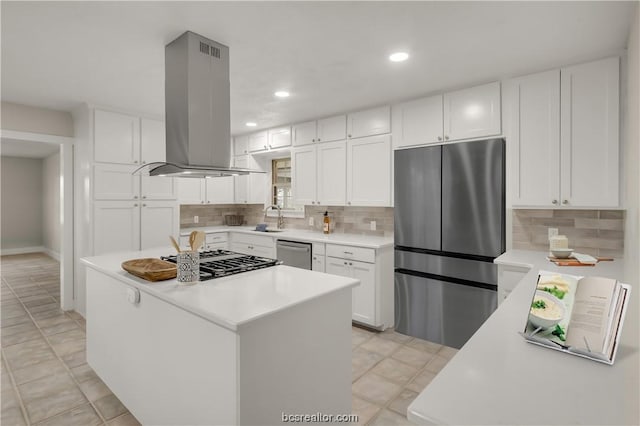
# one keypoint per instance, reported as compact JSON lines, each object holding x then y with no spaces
{"x":280,"y":218}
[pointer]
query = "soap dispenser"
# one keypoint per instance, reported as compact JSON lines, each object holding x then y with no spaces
{"x":326,"y":222}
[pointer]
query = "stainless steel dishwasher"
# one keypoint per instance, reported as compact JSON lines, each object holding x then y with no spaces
{"x":294,"y":253}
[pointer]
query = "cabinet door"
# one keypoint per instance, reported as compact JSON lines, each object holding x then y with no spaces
{"x":257,"y":188}
{"x":279,"y":137}
{"x":158,"y":188}
{"x":418,"y":122}
{"x":304,"y":133}
{"x":258,"y":141}
{"x":590,"y":160}
{"x":158,"y":220}
{"x":364,"y":296}
{"x":220,"y":190}
{"x":337,"y":266}
{"x":116,"y":226}
{"x":303,"y":171}
{"x":332,"y":173}
{"x":472,"y":113}
{"x":369,"y":171}
{"x":371,"y":122}
{"x":332,"y":129}
{"x":317,"y":263}
{"x":241,"y":145}
{"x":115,"y":182}
{"x":532,"y":128}
{"x":152,"y":141}
{"x":116,"y":138}
{"x":190,"y":190}
{"x":241,"y":189}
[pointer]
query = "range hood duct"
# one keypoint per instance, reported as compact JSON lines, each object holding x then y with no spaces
{"x":197,"y":110}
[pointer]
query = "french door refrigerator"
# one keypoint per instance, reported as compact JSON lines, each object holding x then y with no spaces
{"x":449,"y":226}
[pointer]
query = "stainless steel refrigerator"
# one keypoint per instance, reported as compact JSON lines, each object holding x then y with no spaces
{"x":449,"y":226}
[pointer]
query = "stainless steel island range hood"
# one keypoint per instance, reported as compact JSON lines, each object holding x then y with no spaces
{"x":197,"y":108}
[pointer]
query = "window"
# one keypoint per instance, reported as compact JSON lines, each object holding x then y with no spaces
{"x":281,"y":183}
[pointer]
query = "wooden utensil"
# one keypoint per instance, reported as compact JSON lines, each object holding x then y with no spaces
{"x":198,"y":240}
{"x":192,"y":238}
{"x":175,"y":244}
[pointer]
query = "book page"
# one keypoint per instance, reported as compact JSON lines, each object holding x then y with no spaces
{"x":592,"y":307}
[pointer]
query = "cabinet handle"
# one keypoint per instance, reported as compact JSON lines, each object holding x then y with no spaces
{"x":349,"y":136}
{"x":439,"y":138}
{"x":554,"y":202}
{"x":135,"y":205}
{"x":565,"y":201}
{"x":144,"y":205}
{"x":201,"y":202}
{"x":348,"y":252}
{"x":143,"y":162}
{"x":345,"y":263}
{"x":265,"y":147}
{"x":318,"y":139}
{"x":208,"y":202}
{"x":318,"y":202}
{"x":315,"y":258}
{"x":135,"y":161}
{"x":135,"y":197}
{"x":313,"y":140}
{"x":350,"y":264}
{"x":349,"y":202}
{"x":144,"y":196}
{"x":446,"y":138}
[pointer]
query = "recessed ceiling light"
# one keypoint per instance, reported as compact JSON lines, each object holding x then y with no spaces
{"x":250,"y":124}
{"x":398,"y":56}
{"x":282,"y":94}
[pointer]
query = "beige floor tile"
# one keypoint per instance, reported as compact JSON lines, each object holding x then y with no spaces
{"x":12,"y":311}
{"x":425,"y":346}
{"x":83,"y":373}
{"x":65,"y":337}
{"x":46,"y":300}
{"x":28,"y":353}
{"x":124,"y":420}
{"x":389,"y":418}
{"x":9,"y":399}
{"x":25,"y":336}
{"x":6,"y":381}
{"x":17,"y":329}
{"x":401,"y":403}
{"x":358,"y":338}
{"x":421,"y":381}
{"x":38,"y":371}
{"x":94,"y":389}
{"x":110,"y":407}
{"x":69,"y":347}
{"x":363,"y":409}
{"x":362,"y":361}
{"x":382,"y":346}
{"x":51,"y":320}
{"x":375,"y":388}
{"x":45,"y":311}
{"x":395,"y":336}
{"x":57,"y":403}
{"x":16,"y":320}
{"x":447,"y":352}
{"x":436,"y":364}
{"x":411,"y":356}
{"x":67,"y":325}
{"x":12,"y":417}
{"x":46,"y":386}
{"x":83,"y":415}
{"x":75,"y":359}
{"x":395,"y":371}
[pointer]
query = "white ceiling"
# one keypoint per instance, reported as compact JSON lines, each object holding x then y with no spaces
{"x":20,"y":148}
{"x":331,"y":56}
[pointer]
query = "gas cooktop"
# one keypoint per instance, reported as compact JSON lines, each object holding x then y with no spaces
{"x":222,"y":263}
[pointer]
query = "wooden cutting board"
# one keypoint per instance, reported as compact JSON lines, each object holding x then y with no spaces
{"x":573,"y":262}
{"x":151,"y":269}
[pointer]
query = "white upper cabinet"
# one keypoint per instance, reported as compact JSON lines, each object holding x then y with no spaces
{"x":472,"y":113}
{"x":279,"y":137}
{"x":418,"y":122}
{"x":241,"y":145}
{"x":257,"y":188}
{"x":258,"y":141}
{"x":220,"y":190}
{"x":332,"y":129}
{"x":590,"y":161}
{"x":158,"y":188}
{"x":158,"y":221}
{"x":532,"y":129}
{"x":190,"y":190}
{"x":369,"y":171}
{"x":304,"y":175}
{"x":325,"y":130}
{"x":241,"y":189}
{"x":331,"y":173}
{"x":152,"y":141}
{"x":375,"y":121}
{"x":115,"y":182}
{"x":116,"y":138}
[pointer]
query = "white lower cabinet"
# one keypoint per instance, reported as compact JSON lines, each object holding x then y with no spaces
{"x":372,"y":300}
{"x":508,"y":278}
{"x":256,"y":245}
{"x":318,"y":257}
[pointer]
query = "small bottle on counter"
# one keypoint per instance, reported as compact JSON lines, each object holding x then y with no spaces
{"x":326,"y":222}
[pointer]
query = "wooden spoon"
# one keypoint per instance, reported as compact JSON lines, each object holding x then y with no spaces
{"x":174,"y":243}
{"x":198,"y":240}
{"x":192,"y":238}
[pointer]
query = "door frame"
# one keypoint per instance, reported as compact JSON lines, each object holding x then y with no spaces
{"x":67,"y":260}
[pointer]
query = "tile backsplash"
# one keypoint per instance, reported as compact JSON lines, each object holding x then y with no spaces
{"x":344,"y":219}
{"x":594,"y":232}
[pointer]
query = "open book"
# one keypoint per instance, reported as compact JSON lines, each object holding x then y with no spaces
{"x":578,"y":315}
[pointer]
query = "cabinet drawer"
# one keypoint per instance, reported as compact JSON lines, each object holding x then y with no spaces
{"x":318,"y":248}
{"x":253,"y":240}
{"x":349,"y":252}
{"x":218,"y":237}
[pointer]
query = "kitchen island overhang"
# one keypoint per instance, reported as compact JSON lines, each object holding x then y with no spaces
{"x":245,"y":349}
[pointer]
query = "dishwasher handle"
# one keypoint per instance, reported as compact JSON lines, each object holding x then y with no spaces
{"x":293,"y":247}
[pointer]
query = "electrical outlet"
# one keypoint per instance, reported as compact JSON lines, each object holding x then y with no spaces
{"x":311,"y":221}
{"x":196,"y":219}
{"x":373,"y":225}
{"x":552,"y":232}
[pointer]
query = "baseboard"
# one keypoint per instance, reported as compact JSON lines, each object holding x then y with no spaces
{"x":52,"y":254}
{"x":22,"y":250}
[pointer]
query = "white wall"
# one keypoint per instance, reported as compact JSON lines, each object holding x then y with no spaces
{"x":21,"y":203}
{"x":632,"y":156}
{"x":51,"y":225}
{"x":30,"y":119}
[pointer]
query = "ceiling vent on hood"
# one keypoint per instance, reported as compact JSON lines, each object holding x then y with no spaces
{"x":197,"y":108}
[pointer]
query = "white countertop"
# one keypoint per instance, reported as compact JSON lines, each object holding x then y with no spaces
{"x":369,"y":241}
{"x":499,"y":378}
{"x":230,"y":301}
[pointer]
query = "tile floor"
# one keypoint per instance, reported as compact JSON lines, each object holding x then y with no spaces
{"x":46,"y":380}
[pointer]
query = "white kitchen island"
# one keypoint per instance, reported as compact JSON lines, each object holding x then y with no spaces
{"x":243,"y":349}
{"x":499,"y":378}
